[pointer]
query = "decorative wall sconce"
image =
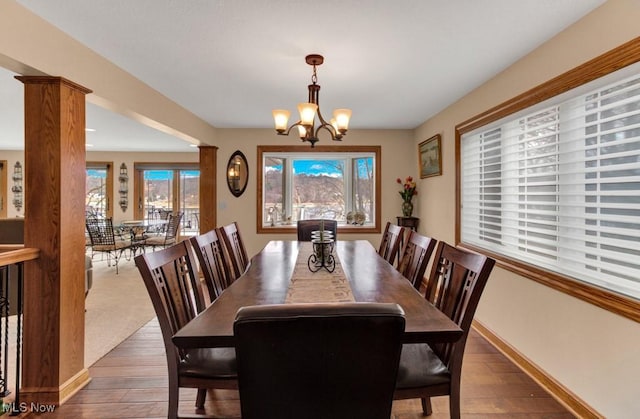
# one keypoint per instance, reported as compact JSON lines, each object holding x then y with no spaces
{"x":237,"y":173}
{"x":123,"y":190}
{"x":17,"y":186}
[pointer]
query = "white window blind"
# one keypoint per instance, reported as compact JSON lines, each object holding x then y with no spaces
{"x":558,"y":186}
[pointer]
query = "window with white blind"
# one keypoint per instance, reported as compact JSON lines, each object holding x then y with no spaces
{"x":557,"y":185}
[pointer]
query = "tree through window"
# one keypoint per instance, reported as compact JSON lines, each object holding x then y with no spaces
{"x":328,"y":182}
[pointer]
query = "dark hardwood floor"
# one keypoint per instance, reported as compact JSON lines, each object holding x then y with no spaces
{"x":131,"y":382}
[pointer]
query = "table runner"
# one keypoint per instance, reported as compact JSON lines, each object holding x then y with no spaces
{"x":317,"y":287}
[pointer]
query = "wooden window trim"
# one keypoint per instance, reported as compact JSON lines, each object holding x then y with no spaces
{"x":377,"y":150}
{"x":620,"y":57}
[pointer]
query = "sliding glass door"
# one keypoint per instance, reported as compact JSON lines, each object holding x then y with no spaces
{"x":163,"y":189}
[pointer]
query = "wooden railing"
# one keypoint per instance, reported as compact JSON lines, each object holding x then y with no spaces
{"x":12,"y":255}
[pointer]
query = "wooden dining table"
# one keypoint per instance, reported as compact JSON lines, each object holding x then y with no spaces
{"x":269,"y":276}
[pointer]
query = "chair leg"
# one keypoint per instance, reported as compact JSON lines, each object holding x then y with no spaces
{"x":115,"y":257}
{"x":426,"y":406}
{"x":174,"y":391}
{"x":454,"y":402}
{"x":200,"y":398}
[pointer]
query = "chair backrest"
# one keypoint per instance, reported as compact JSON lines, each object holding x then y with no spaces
{"x":100,"y":231}
{"x":175,"y":292}
{"x":318,"y":360}
{"x":209,"y":249}
{"x":415,"y":257}
{"x":391,"y":242}
{"x":305,"y":227}
{"x":235,"y":248}
{"x":455,"y":285}
{"x":164,"y":213}
{"x":173,"y":225}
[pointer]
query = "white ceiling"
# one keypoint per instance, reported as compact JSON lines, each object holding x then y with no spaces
{"x":395,"y":64}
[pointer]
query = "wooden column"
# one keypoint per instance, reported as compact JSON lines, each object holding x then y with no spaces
{"x":54,"y":192}
{"x":208,"y":197}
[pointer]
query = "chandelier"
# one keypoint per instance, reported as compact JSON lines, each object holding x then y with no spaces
{"x":307,"y":129}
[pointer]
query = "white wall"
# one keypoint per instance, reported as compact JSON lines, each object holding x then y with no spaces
{"x":592,"y":352}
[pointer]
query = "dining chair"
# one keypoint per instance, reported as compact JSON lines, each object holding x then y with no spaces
{"x":169,"y":235}
{"x":455,"y":285}
{"x":104,"y":240}
{"x":210,"y":251}
{"x":318,"y":360}
{"x":175,"y":292}
{"x":391,"y":242}
{"x":305,"y":227}
{"x":415,"y":257}
{"x":235,"y":248}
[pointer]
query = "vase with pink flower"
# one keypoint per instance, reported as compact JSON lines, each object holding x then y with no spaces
{"x":407,"y":192}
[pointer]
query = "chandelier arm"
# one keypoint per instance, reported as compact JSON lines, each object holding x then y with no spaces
{"x":335,"y":136}
{"x":322,"y":120}
{"x":299,"y":123}
{"x":310,"y":130}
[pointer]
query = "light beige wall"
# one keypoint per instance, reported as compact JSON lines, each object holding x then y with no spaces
{"x":117,"y":158}
{"x":588,"y":350}
{"x":398,"y":160}
{"x":12,"y":156}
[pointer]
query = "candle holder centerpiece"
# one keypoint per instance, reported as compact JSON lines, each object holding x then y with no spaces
{"x":322,"y":256}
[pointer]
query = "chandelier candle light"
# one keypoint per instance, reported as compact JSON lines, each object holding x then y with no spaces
{"x":307,"y":130}
{"x":407,"y":192}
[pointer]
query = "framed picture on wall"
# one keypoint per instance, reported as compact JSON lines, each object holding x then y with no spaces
{"x":430,"y":157}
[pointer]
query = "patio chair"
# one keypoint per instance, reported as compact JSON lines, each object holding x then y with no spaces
{"x":104,"y":240}
{"x":170,"y":235}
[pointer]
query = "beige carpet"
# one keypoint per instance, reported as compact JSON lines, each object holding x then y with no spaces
{"x":116,"y":306}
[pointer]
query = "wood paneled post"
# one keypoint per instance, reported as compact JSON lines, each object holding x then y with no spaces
{"x":208,"y":197}
{"x":54,"y":185}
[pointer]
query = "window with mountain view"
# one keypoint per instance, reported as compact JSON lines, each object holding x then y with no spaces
{"x":300,"y":184}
